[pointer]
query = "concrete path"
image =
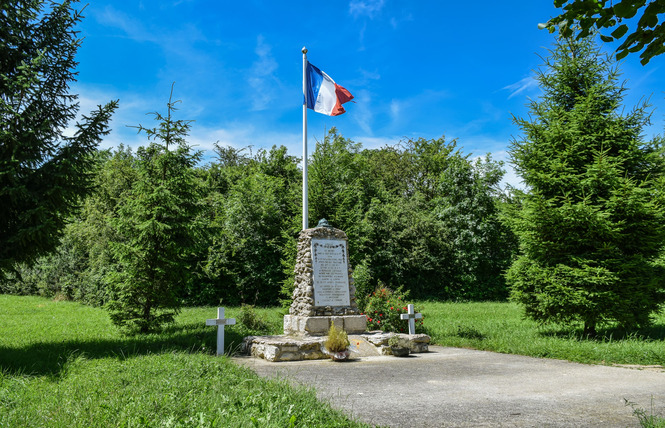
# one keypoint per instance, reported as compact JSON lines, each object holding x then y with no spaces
{"x":450,"y":387}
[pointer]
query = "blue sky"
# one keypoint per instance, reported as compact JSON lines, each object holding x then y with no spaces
{"x":416,"y":69}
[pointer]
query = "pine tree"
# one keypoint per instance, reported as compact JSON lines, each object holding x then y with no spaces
{"x":43,"y":174}
{"x":591,"y":226}
{"x":157,"y":229}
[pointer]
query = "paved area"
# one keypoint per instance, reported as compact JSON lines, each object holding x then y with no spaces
{"x":450,"y":387}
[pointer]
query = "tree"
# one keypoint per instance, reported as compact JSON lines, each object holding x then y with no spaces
{"x":433,"y":225}
{"x":43,"y":173}
{"x":156,"y":231}
{"x":468,"y":207}
{"x":336,"y":192}
{"x":252,"y":228}
{"x":598,"y":15}
{"x":591,"y":227}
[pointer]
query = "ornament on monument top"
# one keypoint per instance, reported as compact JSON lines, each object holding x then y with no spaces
{"x":324,"y":223}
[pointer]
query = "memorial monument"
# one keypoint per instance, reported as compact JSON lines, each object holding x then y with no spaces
{"x":324,"y":292}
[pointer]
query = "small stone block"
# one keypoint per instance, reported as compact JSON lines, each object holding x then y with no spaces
{"x":385,"y":350}
{"x":355,"y":324}
{"x":316,"y":325}
{"x":271,"y":353}
{"x":314,"y":355}
{"x":338,"y":321}
{"x":290,"y":356}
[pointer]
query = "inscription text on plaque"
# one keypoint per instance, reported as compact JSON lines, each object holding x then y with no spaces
{"x":331,"y":272}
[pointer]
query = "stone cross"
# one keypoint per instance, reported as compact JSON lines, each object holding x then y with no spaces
{"x":220,"y":322}
{"x":411,"y":316}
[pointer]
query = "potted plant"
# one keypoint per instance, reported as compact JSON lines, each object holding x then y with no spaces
{"x":337,"y":344}
{"x":397,"y":346}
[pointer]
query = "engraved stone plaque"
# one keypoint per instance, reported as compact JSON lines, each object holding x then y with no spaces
{"x":331,"y":272}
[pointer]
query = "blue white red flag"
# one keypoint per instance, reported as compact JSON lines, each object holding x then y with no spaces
{"x":323,"y":94}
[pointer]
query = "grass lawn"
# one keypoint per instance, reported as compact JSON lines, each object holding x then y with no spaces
{"x":63,"y":364}
{"x":500,"y":327}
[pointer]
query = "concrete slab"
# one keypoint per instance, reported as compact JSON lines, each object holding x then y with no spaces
{"x":450,"y":387}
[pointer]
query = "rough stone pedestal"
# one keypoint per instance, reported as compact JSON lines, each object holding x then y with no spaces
{"x":289,"y":348}
{"x":320,"y":325}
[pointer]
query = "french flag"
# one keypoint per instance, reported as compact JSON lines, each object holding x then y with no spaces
{"x":323,"y":94}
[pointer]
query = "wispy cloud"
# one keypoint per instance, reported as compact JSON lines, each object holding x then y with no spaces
{"x":262,"y":77}
{"x":395,"y":22}
{"x":368,"y":8}
{"x":643,"y":78}
{"x":395,"y":109}
{"x":523,"y":85}
{"x":242,"y":134}
{"x":363,"y":78}
{"x":405,"y":110}
{"x":362,"y":111}
{"x":177,"y":41}
{"x":132,"y":27}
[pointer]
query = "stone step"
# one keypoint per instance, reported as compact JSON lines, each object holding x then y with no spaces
{"x":298,"y":348}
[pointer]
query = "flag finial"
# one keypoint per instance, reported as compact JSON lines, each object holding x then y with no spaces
{"x":304,"y":50}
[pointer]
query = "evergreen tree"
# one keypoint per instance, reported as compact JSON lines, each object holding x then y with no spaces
{"x":591,"y":227}
{"x":157,"y":230}
{"x":43,"y":173}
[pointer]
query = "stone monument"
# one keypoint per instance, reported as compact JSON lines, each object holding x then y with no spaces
{"x":324,"y":292}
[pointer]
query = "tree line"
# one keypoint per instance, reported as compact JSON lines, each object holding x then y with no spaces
{"x":421,"y":215}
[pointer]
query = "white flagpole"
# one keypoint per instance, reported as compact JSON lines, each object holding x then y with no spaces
{"x":305,"y":219}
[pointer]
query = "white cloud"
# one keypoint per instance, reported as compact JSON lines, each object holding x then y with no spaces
{"x":365,"y":77}
{"x":174,"y":41}
{"x":369,"y":8}
{"x":135,"y":108}
{"x":362,"y":111}
{"x":395,"y":109}
{"x":643,"y":78}
{"x":262,"y":76}
{"x":395,"y":22}
{"x":525,"y":84}
{"x":133,"y":28}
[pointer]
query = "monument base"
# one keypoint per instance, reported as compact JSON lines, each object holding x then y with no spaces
{"x":289,"y":348}
{"x":320,"y":325}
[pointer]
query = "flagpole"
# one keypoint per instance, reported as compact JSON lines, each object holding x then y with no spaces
{"x":305,"y":219}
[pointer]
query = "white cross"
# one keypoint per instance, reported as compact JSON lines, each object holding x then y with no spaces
{"x":220,"y":322}
{"x":411,"y":316}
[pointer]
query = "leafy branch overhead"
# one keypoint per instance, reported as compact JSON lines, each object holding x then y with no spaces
{"x":613,"y":20}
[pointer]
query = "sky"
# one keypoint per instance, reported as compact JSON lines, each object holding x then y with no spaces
{"x":416,"y":69}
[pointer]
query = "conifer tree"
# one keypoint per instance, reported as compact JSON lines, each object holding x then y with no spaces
{"x":591,"y":226}
{"x":43,"y":173}
{"x":157,"y":230}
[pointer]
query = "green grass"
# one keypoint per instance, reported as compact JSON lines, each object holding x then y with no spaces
{"x":64,"y":365}
{"x":500,"y":327}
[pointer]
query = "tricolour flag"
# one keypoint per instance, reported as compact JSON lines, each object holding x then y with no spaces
{"x":323,"y":94}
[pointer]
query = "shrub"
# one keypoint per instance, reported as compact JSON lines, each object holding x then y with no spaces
{"x":384,"y":308}
{"x":250,"y":319}
{"x":338,"y":340}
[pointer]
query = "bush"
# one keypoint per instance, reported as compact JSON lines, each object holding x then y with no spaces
{"x":384,"y":308}
{"x":338,"y":340}
{"x":364,"y":283}
{"x":250,"y":319}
